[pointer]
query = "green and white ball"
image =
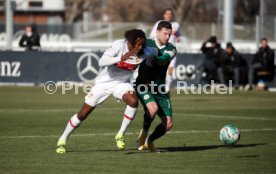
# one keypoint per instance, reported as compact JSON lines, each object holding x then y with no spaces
{"x":229,"y":134}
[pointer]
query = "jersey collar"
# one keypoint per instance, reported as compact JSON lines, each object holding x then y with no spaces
{"x":156,"y":43}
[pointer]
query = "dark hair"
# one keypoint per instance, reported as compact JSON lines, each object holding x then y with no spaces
{"x":132,"y":35}
{"x":264,"y":39}
{"x":168,"y":9}
{"x":229,"y":45}
{"x":164,"y":24}
{"x":213,"y":39}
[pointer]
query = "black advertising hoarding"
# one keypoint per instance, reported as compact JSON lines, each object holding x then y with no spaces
{"x":40,"y":67}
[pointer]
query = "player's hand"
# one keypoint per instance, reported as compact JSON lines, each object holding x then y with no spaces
{"x":138,"y":46}
{"x":126,"y":56}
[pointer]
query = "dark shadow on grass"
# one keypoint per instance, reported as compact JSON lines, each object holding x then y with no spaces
{"x":92,"y":150}
{"x":172,"y":149}
{"x":98,"y":150}
{"x":198,"y":148}
{"x":209,"y":147}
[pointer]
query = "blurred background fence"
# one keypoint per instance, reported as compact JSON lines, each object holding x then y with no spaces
{"x":103,"y":21}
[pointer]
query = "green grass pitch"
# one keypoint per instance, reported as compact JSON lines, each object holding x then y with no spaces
{"x":31,"y":122}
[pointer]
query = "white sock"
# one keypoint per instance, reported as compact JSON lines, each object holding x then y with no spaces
{"x":73,"y":123}
{"x":168,"y":82}
{"x":128,"y":117}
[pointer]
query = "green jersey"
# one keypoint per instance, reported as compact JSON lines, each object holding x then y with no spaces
{"x":155,"y":69}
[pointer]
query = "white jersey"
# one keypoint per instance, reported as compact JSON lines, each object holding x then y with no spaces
{"x":175,"y":31}
{"x":115,"y":77}
{"x":115,"y":70}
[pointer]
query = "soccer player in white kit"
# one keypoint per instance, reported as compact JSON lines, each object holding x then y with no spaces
{"x":168,"y":15}
{"x":120,"y":61}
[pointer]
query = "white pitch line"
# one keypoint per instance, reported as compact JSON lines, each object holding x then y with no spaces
{"x":131,"y":133}
{"x":121,"y":109}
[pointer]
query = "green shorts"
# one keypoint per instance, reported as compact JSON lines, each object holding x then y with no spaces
{"x":163,"y":101}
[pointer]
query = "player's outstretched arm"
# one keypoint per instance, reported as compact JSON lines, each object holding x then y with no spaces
{"x":111,"y":56}
{"x":108,"y":60}
{"x":166,"y":56}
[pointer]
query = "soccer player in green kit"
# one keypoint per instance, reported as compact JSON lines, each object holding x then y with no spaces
{"x":150,"y":87}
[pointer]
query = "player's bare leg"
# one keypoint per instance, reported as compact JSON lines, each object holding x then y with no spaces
{"x":152,"y":109}
{"x":73,"y":123}
{"x":132,"y":105}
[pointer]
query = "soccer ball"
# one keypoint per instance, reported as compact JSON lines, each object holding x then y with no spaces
{"x":229,"y":134}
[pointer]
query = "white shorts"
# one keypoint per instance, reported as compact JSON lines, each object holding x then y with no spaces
{"x":100,"y":92}
{"x":172,"y":63}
